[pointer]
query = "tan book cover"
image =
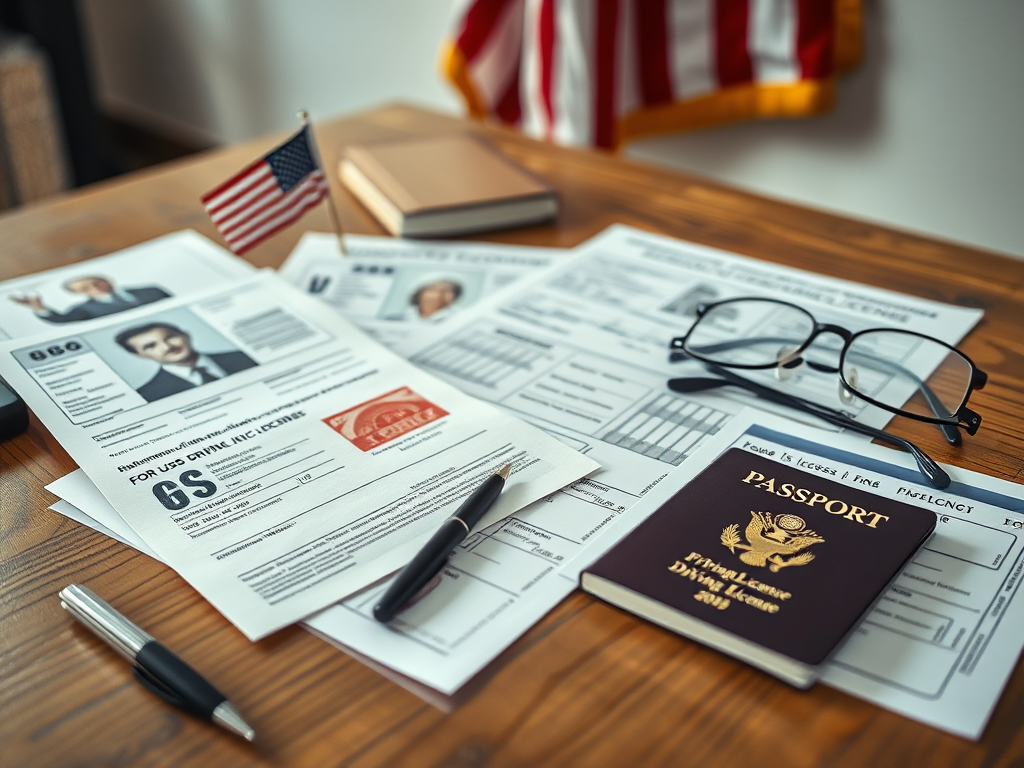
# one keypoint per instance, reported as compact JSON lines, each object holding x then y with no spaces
{"x":445,"y":184}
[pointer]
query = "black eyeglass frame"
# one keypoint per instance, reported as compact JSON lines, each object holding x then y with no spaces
{"x":963,"y":417}
{"x":932,"y":472}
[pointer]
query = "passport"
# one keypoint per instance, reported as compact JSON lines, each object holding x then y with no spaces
{"x":764,"y":561}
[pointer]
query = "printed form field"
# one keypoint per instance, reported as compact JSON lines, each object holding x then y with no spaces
{"x":940,"y":611}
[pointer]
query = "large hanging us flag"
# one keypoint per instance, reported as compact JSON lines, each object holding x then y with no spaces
{"x":268,"y":195}
{"x":602,"y":72}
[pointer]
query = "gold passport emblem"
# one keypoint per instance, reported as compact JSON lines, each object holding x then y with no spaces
{"x":770,"y":540}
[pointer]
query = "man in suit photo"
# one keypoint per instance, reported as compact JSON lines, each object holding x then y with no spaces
{"x":182,"y":367}
{"x":102,"y":299}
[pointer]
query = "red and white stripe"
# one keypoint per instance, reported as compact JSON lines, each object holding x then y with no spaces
{"x":568,"y":70}
{"x":490,"y":37}
{"x":250,"y":207}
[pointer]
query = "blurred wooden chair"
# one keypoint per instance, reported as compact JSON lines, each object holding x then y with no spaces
{"x":33,"y":160}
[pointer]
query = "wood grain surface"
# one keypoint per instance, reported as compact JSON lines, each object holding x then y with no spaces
{"x":589,"y":685}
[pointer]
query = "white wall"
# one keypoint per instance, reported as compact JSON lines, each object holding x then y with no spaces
{"x":222,"y":71}
{"x":928,"y":134}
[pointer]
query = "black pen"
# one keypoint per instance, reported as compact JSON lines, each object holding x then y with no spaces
{"x":157,"y":668}
{"x":432,"y":557}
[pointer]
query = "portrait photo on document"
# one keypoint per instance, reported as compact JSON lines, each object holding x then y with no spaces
{"x":73,"y":297}
{"x":163,"y":354}
{"x":83,"y":297}
{"x":430,"y":294}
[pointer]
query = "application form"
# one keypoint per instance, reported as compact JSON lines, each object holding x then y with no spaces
{"x":75,"y":296}
{"x":393,"y":288}
{"x":622,"y":298}
{"x":942,"y":641}
{"x":267,"y":450}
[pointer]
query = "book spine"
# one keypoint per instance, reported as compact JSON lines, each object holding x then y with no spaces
{"x":359,"y":185}
{"x":386,"y":184}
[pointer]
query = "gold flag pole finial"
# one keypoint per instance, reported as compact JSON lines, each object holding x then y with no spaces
{"x":329,"y":197}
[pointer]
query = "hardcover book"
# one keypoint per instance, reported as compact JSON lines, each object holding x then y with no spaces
{"x":764,"y":561}
{"x":444,"y":185}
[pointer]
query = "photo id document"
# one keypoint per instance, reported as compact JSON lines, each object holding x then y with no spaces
{"x":394,"y":289}
{"x":268,"y":450}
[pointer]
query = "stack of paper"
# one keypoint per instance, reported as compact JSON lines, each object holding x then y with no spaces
{"x":578,"y":348}
{"x":265,"y":448}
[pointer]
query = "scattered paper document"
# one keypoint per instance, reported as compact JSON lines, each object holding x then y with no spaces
{"x":941,"y":643}
{"x":945,"y":667}
{"x":622,"y":297}
{"x":72,"y":297}
{"x":291,"y":462}
{"x":393,"y":288}
{"x":581,"y":350}
{"x":515,"y":605}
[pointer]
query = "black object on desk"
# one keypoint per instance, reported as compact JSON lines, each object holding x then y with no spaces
{"x":13,"y":412}
{"x":432,"y":557}
{"x":157,"y":668}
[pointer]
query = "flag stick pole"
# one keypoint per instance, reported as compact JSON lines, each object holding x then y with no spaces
{"x":329,"y":198}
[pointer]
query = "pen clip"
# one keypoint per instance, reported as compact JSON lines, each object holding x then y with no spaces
{"x":154,"y":685}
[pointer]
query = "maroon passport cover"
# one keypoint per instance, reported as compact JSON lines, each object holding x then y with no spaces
{"x":779,"y":556}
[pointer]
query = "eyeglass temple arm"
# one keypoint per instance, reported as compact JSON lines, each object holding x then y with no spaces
{"x":949,"y":431}
{"x":934,"y":474}
{"x":723,"y":346}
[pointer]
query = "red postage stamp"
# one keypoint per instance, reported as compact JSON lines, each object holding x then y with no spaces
{"x":385,"y":418}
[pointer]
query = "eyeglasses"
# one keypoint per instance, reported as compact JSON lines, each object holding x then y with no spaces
{"x":876,"y":365}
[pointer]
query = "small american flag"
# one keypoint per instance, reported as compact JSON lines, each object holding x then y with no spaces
{"x":268,"y":195}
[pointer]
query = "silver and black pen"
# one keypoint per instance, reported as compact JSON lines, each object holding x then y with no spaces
{"x":156,"y":668}
{"x":429,"y":560}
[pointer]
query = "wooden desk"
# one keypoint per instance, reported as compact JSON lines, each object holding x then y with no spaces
{"x":589,"y":685}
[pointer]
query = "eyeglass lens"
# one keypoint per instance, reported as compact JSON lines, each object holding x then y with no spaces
{"x":884,"y":365}
{"x":749,"y":333}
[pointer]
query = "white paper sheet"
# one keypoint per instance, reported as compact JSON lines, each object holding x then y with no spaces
{"x":82,"y":501}
{"x":315,"y":468}
{"x":123,"y":532}
{"x":394,"y":288}
{"x":942,"y":642}
{"x":180,"y":264}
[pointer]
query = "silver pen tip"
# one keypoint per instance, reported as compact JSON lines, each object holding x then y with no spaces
{"x":227,"y":717}
{"x":504,"y":471}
